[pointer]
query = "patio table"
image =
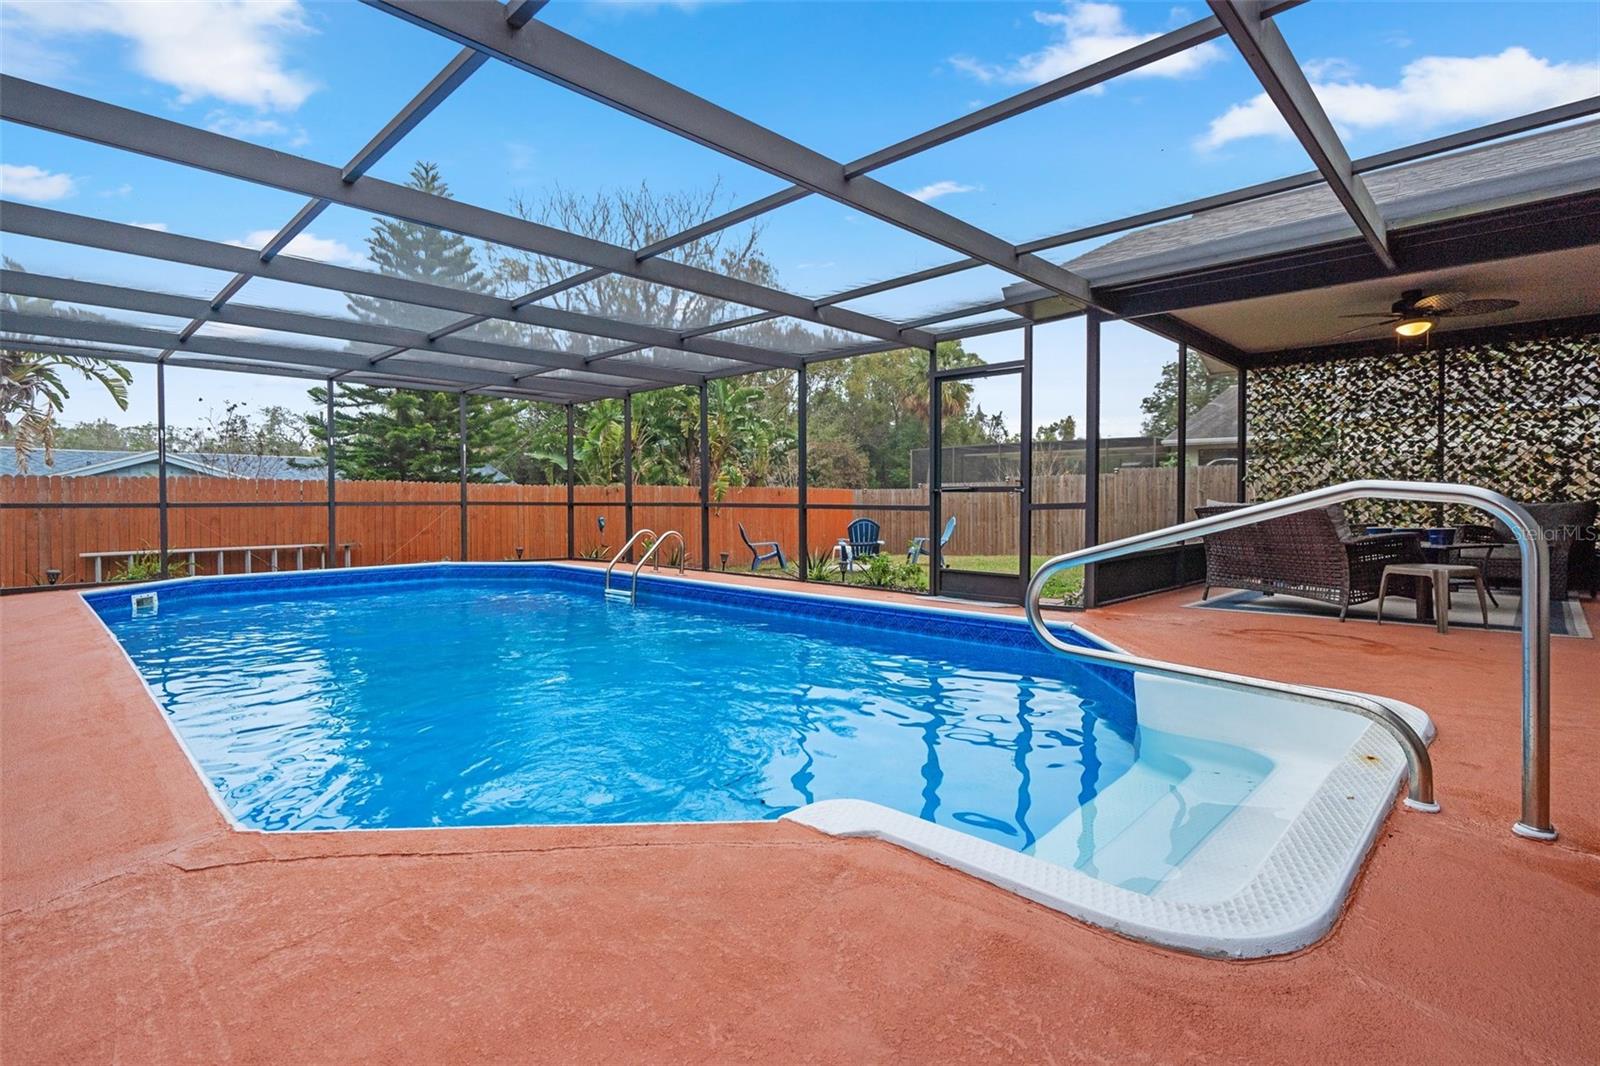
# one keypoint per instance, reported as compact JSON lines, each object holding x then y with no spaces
{"x":1468,"y":552}
{"x":1439,"y":576}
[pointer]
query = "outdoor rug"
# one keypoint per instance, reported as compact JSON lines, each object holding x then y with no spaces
{"x":1566,"y":616}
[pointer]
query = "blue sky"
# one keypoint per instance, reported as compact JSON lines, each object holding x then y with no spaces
{"x":318,"y":78}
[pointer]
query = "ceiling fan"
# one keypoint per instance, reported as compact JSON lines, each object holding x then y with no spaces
{"x":1417,"y":311}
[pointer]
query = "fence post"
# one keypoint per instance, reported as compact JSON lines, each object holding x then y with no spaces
{"x":1091,"y":455}
{"x":1025,"y":462}
{"x":462,"y":434}
{"x":331,"y":560}
{"x":1181,"y":506}
{"x":161,"y":465}
{"x":1183,"y":433}
{"x":935,"y":470}
{"x":627,"y":470}
{"x":705,"y":483}
{"x":571,"y":475}
{"x":803,"y":550}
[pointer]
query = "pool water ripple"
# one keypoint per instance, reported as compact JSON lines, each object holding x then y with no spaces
{"x":476,"y":702}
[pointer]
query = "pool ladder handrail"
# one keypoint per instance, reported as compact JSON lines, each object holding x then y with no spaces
{"x":1535,"y":821}
{"x":650,"y":553}
{"x":606,"y":589}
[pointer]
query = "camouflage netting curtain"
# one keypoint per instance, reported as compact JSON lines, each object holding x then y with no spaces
{"x":1519,"y":416}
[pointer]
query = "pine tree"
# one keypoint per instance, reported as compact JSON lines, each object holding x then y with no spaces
{"x":403,"y":434}
{"x":406,"y":435}
{"x":418,"y":253}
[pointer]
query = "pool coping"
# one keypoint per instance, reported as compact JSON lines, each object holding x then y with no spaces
{"x":1292,"y":901}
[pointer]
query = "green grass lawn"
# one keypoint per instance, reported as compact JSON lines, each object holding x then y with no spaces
{"x":1067,"y":584}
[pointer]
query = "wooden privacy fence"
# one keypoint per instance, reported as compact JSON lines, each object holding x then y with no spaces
{"x":387,"y":521}
{"x":1132,"y":500}
{"x":408,"y":522}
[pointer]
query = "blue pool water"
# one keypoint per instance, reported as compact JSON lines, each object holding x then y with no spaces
{"x":516,"y":695}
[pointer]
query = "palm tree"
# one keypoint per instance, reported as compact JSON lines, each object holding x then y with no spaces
{"x":32,"y":389}
{"x":597,"y":444}
{"x":739,"y":439}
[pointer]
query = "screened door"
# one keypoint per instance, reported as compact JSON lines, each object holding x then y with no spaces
{"x":978,"y":532}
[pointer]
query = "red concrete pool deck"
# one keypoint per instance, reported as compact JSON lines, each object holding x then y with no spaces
{"x":139,"y":928}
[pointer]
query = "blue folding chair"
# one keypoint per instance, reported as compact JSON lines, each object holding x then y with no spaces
{"x":761,"y":550}
{"x":920,"y":544}
{"x":859,"y":541}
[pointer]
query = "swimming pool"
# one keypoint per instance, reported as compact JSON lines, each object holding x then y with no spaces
{"x":488,"y":694}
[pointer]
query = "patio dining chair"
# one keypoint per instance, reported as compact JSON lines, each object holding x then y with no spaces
{"x":920,"y":544}
{"x":1570,"y":534}
{"x":1313,"y":555}
{"x":860,"y":540}
{"x":762,"y":550}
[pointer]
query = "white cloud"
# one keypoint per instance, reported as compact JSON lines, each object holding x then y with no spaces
{"x":34,"y":183}
{"x":929,"y":193}
{"x":1432,"y":92}
{"x":231,"y":50}
{"x":255,"y":128}
{"x":159,"y":227}
{"x":1331,"y":69}
{"x":308,"y":245}
{"x":1085,"y":33}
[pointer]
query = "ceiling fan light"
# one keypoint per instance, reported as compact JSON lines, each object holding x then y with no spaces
{"x":1415,"y":326}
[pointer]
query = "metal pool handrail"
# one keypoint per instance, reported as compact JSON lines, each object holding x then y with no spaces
{"x":1535,"y":820}
{"x":625,"y":549}
{"x":649,"y":553}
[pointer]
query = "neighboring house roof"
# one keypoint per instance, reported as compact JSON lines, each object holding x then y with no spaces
{"x":91,"y":462}
{"x":1215,"y":423}
{"x":1537,"y":167}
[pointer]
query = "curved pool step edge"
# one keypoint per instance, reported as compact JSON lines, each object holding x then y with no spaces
{"x":1292,"y":900}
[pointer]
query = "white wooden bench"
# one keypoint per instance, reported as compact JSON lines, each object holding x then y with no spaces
{"x":250,"y":551}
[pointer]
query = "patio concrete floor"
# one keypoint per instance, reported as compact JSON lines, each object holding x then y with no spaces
{"x":138,"y":928}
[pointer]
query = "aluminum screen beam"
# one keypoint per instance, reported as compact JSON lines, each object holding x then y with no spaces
{"x":49,"y":224}
{"x":1268,"y":56}
{"x":649,"y":251}
{"x":54,"y":110}
{"x":269,"y":358}
{"x":188,"y":362}
{"x":520,"y":12}
{"x":1394,"y":157}
{"x":327,"y":362}
{"x":1086,"y":77}
{"x":433,"y":94}
{"x":46,"y":287}
{"x":447,"y":81}
{"x":543,"y":50}
{"x":116,"y":356}
{"x":1408,"y":154}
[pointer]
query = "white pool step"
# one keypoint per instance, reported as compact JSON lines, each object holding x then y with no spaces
{"x":1143,"y":824}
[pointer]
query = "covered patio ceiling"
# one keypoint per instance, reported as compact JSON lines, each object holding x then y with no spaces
{"x":1512,"y":207}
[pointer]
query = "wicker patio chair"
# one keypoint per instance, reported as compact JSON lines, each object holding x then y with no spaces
{"x":1313,"y":555}
{"x":1569,"y":531}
